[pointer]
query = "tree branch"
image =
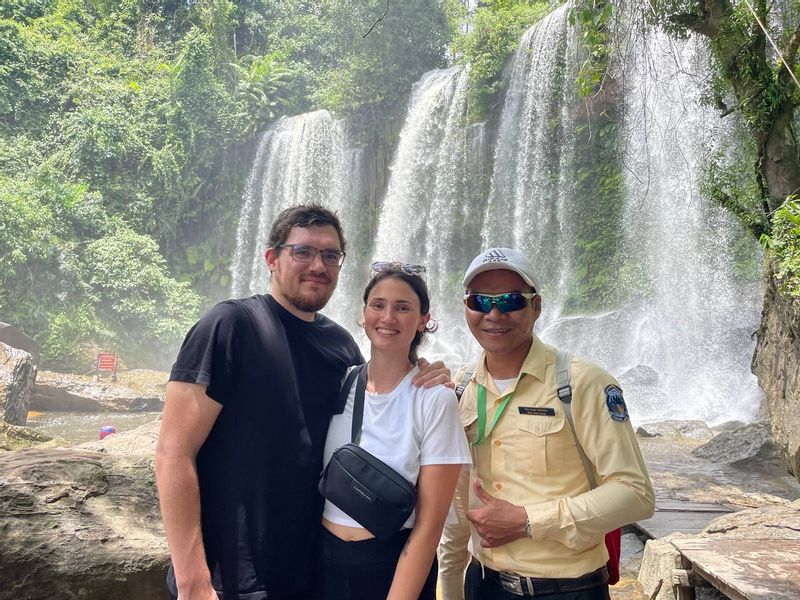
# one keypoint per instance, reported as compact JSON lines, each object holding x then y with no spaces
{"x":385,"y":12}
{"x":791,"y":50}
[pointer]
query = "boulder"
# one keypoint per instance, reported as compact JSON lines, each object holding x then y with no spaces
{"x":17,"y":372}
{"x":639,"y":375}
{"x":776,"y":363}
{"x":695,"y":430}
{"x":751,"y":442}
{"x":80,"y":524}
{"x":13,"y":337}
{"x":141,"y":440}
{"x":659,"y":560}
{"x":54,"y":392}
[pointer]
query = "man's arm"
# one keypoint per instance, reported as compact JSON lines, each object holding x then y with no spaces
{"x":189,"y":415}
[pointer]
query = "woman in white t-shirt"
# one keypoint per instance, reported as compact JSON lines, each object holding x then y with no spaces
{"x":416,"y":431}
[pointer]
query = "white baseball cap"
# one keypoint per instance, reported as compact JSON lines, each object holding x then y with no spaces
{"x":502,"y":258}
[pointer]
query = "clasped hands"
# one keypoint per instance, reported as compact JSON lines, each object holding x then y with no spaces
{"x":498,"y":522}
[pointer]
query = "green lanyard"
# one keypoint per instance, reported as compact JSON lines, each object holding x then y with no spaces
{"x":482,"y":433}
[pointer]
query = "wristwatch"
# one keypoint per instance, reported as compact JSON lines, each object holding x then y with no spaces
{"x":528,"y":528}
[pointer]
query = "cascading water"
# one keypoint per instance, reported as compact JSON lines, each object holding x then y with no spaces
{"x":529,"y":195}
{"x":430,"y":214}
{"x":678,"y":332}
{"x":301,"y":159}
{"x":695,"y":324}
{"x":681,"y":344}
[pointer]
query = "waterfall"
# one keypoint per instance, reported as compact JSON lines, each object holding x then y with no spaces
{"x":695,"y":325}
{"x":306,"y":158}
{"x":659,"y":301}
{"x":430,"y":213}
{"x":527,"y":206}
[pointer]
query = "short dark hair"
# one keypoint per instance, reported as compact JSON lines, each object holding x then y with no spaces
{"x":416,"y":283}
{"x":303,"y":215}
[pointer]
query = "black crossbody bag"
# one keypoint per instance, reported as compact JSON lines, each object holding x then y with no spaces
{"x":362,"y":486}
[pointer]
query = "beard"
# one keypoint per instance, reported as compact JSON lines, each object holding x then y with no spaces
{"x":309,"y":302}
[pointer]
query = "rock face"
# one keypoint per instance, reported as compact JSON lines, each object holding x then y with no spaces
{"x":776,"y":363}
{"x":16,"y":339}
{"x":55,"y":392}
{"x":752,"y":441}
{"x":80,"y":524}
{"x":695,"y":430}
{"x":17,"y":372}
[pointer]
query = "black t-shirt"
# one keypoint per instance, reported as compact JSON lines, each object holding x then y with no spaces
{"x":277,"y":378}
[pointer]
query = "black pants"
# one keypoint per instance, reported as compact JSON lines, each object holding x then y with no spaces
{"x":477,"y":588}
{"x":364,"y":570}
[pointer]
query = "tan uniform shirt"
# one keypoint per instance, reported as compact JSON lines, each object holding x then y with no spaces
{"x":530,"y":459}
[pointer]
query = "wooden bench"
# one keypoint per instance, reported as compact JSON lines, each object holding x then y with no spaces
{"x":742,"y":569}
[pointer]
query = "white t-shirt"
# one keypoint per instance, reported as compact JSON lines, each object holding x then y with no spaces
{"x":406,"y":428}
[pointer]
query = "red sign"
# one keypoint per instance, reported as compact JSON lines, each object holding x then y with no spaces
{"x":107,"y":362}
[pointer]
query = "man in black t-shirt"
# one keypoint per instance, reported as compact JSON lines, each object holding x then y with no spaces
{"x":245,"y":419}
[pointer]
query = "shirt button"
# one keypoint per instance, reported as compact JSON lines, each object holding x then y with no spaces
{"x":498,"y":443}
{"x":498,"y":486}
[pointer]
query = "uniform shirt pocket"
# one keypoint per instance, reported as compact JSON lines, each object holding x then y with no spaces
{"x":536,"y":444}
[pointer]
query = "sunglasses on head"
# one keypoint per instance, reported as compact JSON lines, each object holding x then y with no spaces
{"x":508,"y":302}
{"x":380,"y":266}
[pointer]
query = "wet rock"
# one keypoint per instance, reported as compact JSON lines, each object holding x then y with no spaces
{"x":639,"y":375}
{"x":695,"y":430}
{"x":751,"y":442}
{"x":141,"y":440}
{"x":55,"y":392}
{"x":776,"y":521}
{"x":13,"y":337}
{"x":80,"y":524}
{"x":17,"y":372}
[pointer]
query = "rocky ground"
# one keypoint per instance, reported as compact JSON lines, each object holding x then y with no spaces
{"x":61,"y":505}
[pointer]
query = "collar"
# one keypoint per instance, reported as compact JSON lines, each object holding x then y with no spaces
{"x":534,"y":364}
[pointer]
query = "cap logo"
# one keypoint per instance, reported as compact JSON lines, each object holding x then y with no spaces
{"x":495,"y":256}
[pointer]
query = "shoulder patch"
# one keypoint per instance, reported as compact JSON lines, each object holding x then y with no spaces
{"x":616,"y":403}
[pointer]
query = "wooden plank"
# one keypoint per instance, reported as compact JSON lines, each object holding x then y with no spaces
{"x":677,"y":516}
{"x":746,"y":569}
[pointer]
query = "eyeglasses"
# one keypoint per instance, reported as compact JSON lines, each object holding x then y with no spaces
{"x":380,"y":266}
{"x":306,"y":254}
{"x":505,"y":303}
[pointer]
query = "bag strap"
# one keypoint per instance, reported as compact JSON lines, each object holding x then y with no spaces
{"x":344,"y":393}
{"x":564,"y":391}
{"x":358,"y":403}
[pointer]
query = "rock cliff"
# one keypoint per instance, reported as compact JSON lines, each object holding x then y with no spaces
{"x":776,"y":363}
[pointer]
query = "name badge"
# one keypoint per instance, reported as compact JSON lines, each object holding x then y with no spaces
{"x":540,"y":411}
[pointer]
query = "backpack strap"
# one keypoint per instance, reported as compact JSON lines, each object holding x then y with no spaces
{"x":564,"y":391}
{"x":464,"y":382}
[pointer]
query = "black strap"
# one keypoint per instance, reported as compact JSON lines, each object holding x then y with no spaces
{"x":345,"y":391}
{"x":358,"y":403}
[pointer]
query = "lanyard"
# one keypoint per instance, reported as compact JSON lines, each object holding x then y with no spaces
{"x":482,"y":433}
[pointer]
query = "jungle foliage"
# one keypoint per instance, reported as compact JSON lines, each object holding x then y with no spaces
{"x":126,"y":131}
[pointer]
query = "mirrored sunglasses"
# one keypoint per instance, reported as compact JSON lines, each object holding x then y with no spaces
{"x":380,"y":266}
{"x":508,"y":302}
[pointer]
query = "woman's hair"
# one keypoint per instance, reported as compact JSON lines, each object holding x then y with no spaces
{"x":416,"y":283}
